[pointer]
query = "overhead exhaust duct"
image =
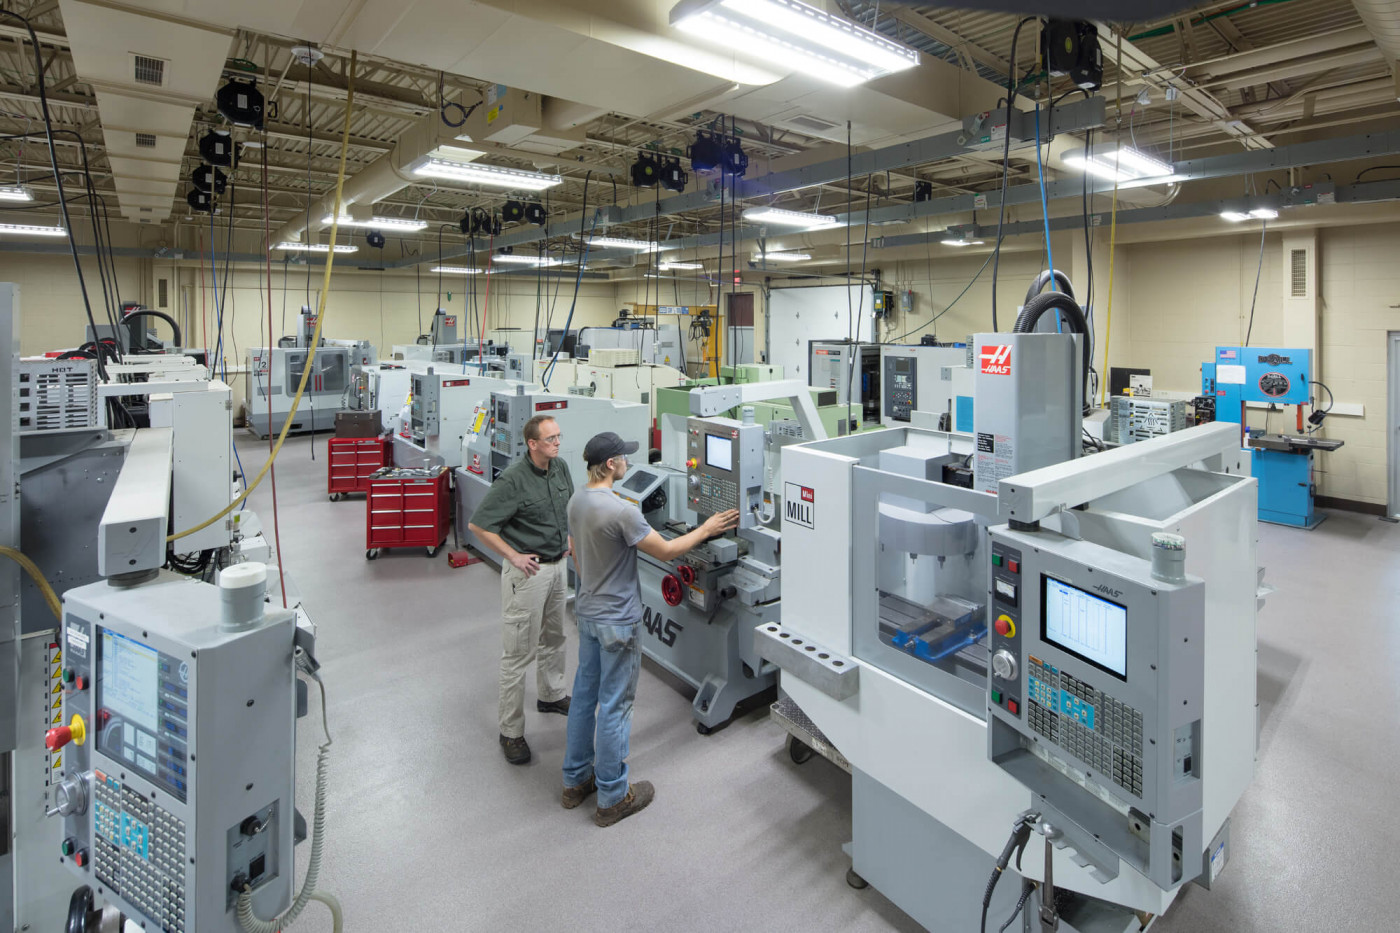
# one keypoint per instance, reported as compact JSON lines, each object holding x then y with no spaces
{"x":1382,"y":18}
{"x":149,"y":74}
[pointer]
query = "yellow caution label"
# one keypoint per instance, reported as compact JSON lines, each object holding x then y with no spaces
{"x":56,"y":672}
{"x":57,"y":688}
{"x":57,"y":656}
{"x":57,"y":703}
{"x":493,"y":114}
{"x":57,"y":718}
{"x":57,"y":762}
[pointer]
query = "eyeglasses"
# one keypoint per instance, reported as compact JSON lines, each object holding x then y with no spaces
{"x":552,"y":439}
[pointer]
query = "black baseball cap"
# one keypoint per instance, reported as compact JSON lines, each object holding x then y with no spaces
{"x":603,"y":447}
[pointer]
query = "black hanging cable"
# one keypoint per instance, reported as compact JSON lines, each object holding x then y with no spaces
{"x":1263,"y":230}
{"x":1011,"y":86}
{"x":310,"y":79}
{"x":58,"y":178}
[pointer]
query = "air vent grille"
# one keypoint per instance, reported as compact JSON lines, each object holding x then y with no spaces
{"x":146,"y":140}
{"x":147,"y":70}
{"x":808,"y":122}
{"x":1298,"y":273}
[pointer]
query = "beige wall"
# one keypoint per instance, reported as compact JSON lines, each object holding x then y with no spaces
{"x":1186,"y":297}
{"x":362,"y":305}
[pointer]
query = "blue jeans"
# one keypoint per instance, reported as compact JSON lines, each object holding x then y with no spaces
{"x":605,"y":686}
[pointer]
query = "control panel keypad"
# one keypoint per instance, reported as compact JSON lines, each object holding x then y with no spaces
{"x":139,"y":852}
{"x":1097,"y":729}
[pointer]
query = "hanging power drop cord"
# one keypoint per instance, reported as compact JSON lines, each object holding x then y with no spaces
{"x":320,"y":317}
{"x":1006,"y":166}
{"x":249,"y":921}
{"x":58,"y":177}
{"x":1015,"y":844}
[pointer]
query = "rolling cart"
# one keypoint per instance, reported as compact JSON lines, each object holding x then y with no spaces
{"x":407,"y":508}
{"x":350,"y":462}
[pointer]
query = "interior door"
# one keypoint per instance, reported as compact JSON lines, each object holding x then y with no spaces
{"x":1393,"y":425}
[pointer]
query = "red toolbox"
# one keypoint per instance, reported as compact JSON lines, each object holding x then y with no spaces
{"x":407,"y":509}
{"x":351,"y":460}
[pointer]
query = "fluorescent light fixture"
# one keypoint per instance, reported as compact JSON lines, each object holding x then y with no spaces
{"x":15,"y":193}
{"x":773,"y":215}
{"x":386,"y":223}
{"x":315,"y":247}
{"x":961,"y":241}
{"x":1123,"y":163}
{"x":618,"y":242}
{"x":456,"y":270}
{"x":670,"y":266}
{"x":33,"y":230}
{"x":512,"y":258}
{"x":794,"y":35}
{"x":491,"y":175}
{"x":782,"y":257}
{"x":1258,"y":213}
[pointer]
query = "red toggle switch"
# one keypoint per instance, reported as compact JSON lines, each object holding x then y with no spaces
{"x":57,"y":737}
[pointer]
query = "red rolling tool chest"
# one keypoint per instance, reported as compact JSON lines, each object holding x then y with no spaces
{"x":407,"y":508}
{"x":351,"y":460}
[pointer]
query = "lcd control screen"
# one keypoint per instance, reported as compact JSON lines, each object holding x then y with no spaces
{"x":143,"y":701}
{"x":719,"y":452}
{"x":1087,"y":626}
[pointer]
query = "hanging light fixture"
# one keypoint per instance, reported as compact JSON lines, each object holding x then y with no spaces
{"x":796,"y":36}
{"x":386,"y":223}
{"x":493,"y":176}
{"x":773,"y":215}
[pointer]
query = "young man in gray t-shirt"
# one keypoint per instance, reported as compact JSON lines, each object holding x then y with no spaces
{"x":607,"y":532}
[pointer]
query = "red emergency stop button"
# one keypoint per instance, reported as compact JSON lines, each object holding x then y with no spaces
{"x":1004,"y":626}
{"x":59,"y":736}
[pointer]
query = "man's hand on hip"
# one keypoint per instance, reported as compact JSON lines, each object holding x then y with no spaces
{"x":528,"y":564}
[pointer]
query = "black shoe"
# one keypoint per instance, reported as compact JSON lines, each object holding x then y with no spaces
{"x":516,"y":751}
{"x":560,"y":706}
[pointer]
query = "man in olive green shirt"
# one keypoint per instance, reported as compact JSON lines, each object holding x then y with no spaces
{"x":524,"y":518}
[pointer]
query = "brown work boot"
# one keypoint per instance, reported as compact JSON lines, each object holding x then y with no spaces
{"x":638,"y":796}
{"x":517,"y":752}
{"x":573,"y":796}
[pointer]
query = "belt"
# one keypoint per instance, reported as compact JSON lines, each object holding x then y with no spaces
{"x":551,"y":560}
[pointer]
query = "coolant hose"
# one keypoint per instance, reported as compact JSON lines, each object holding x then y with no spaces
{"x":147,"y":312}
{"x":1074,"y":318}
{"x":1061,"y":284}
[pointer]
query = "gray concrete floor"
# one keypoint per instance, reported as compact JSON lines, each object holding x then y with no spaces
{"x":430,"y":829}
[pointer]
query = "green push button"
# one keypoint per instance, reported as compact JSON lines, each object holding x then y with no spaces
{"x":996,"y":560}
{"x":996,"y":697}
{"x":67,"y":847}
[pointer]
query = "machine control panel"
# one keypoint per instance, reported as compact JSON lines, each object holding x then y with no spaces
{"x":146,"y":675}
{"x":1095,"y":693}
{"x":1005,"y":617}
{"x":901,"y":386}
{"x":724,"y":467}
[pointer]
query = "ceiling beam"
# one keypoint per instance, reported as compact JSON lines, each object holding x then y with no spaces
{"x":949,"y":38}
{"x":1200,"y":102}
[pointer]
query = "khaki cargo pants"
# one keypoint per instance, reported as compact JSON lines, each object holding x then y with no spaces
{"x":533,"y":629}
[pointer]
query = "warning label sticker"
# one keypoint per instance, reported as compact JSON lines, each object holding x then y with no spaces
{"x":996,"y":359}
{"x":995,"y":455}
